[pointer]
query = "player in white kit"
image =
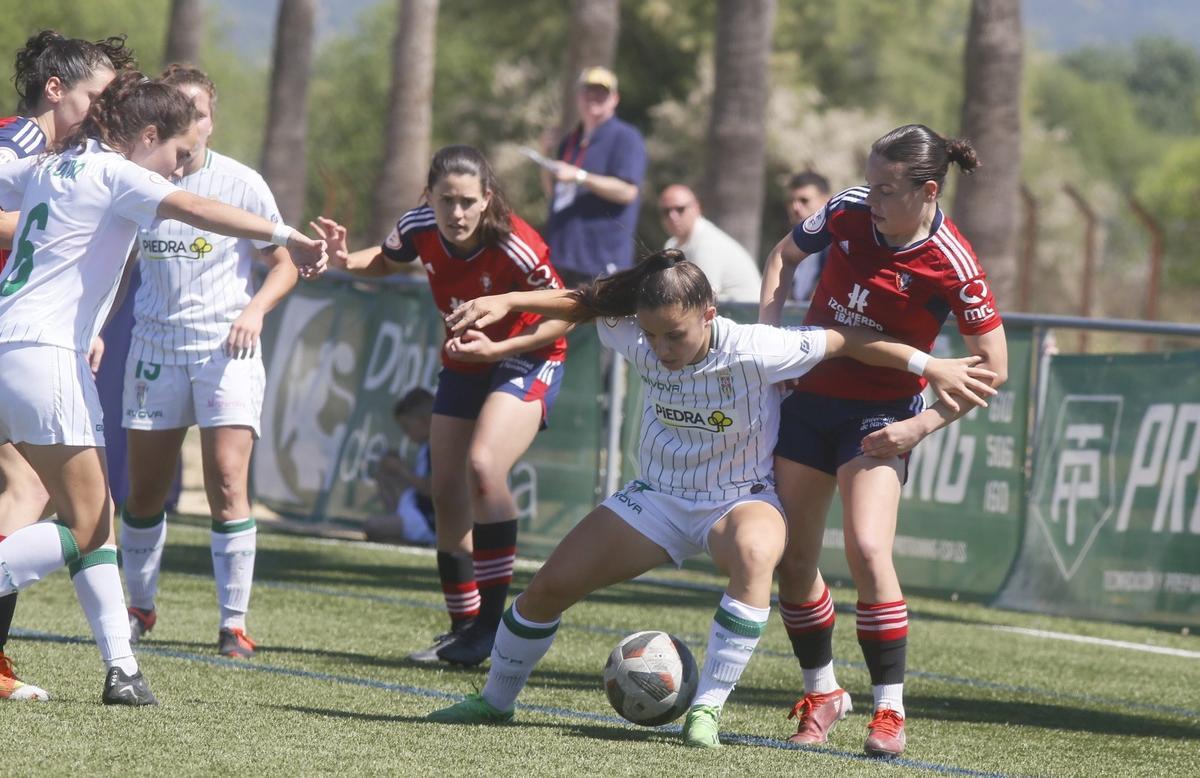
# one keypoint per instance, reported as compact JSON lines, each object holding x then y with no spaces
{"x":56,"y":79}
{"x":80,"y":210}
{"x":709,"y":424}
{"x":195,"y":359}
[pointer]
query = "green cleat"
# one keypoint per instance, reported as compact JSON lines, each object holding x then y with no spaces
{"x":472,"y":710}
{"x":700,"y":726}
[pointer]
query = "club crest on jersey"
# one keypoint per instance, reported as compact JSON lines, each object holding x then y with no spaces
{"x":725,"y":383}
{"x":903,"y":281}
{"x":485,"y":281}
{"x":691,"y":418}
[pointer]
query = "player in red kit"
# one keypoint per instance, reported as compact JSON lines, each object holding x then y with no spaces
{"x":899,"y":266}
{"x":496,"y":386}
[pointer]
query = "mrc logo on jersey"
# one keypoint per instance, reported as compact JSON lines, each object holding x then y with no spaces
{"x":716,"y":421}
{"x":1075,"y":493}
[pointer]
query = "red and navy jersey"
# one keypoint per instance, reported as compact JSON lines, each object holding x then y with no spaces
{"x":520,"y":262}
{"x":20,"y":137}
{"x":905,"y":292}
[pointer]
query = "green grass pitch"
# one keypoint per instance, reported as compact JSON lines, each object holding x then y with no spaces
{"x":331,"y":692}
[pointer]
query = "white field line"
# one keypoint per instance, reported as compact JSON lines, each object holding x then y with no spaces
{"x":1125,"y":644}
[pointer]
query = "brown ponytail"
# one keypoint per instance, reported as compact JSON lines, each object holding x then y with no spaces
{"x":131,"y":103}
{"x":663,"y":278}
{"x":926,"y":154}
{"x":49,"y":55}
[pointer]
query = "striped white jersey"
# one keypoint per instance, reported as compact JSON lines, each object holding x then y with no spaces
{"x":80,"y":212}
{"x":709,"y":429}
{"x":196,"y":283}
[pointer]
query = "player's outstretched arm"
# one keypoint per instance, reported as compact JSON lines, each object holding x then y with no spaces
{"x":949,"y":378}
{"x":369,"y":262}
{"x":308,"y":254}
{"x":777,"y":279}
{"x":551,"y":303}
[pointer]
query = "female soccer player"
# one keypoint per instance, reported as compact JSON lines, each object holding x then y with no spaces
{"x":80,"y":210}
{"x":896,"y":265}
{"x":194,"y":358}
{"x":496,"y":387}
{"x":709,"y":421}
{"x":56,"y":79}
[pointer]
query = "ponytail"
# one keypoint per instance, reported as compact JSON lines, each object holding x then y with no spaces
{"x":926,"y":154}
{"x":661,"y":279}
{"x":131,"y":103}
{"x":49,"y":55}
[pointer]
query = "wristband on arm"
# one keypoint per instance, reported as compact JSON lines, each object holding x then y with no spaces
{"x":917,"y":362}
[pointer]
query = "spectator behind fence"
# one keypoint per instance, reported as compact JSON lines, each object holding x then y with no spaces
{"x":807,"y":193}
{"x":406,"y":491}
{"x":594,"y":189}
{"x":730,"y":269}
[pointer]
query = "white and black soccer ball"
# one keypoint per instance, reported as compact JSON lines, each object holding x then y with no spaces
{"x":650,"y":678}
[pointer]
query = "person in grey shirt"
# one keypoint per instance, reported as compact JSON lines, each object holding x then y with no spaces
{"x":730,"y":269}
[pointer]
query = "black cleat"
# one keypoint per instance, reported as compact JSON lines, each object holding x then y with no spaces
{"x":472,"y":647}
{"x":122,"y":689}
{"x":235,"y":643}
{"x":430,"y":655}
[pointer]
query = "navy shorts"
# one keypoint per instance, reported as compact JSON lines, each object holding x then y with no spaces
{"x":826,"y":432}
{"x":462,"y":395}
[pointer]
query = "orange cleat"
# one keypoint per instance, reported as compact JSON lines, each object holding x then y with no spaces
{"x":886,"y":738}
{"x":235,"y":643}
{"x":817,"y":715}
{"x":13,"y":688}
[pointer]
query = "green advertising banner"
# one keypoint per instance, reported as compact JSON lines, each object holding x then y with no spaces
{"x":1114,"y":510}
{"x":961,"y":510}
{"x":338,"y":357}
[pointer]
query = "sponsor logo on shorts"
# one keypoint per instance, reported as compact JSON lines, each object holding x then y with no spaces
{"x":143,"y":414}
{"x":633,"y":487}
{"x":224,"y":402}
{"x":877,"y":422}
{"x":693,"y":418}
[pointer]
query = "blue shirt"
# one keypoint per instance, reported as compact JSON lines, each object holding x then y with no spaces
{"x":586,"y":233}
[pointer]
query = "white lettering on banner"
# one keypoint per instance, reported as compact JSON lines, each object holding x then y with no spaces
{"x":996,"y":497}
{"x":1000,"y":407}
{"x":1166,"y":456}
{"x":523,"y":483}
{"x":362,"y":452}
{"x":1144,"y":581}
{"x":909,"y":547}
{"x":940,"y":468}
{"x":1078,"y":475}
{"x":1000,"y":451}
{"x":397,"y":354}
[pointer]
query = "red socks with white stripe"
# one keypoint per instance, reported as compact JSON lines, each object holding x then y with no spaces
{"x":457,"y":573}
{"x":883,"y":635}
{"x":494,"y":555}
{"x":810,"y":628}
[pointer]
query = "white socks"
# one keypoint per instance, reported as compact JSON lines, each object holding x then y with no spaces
{"x":98,"y":586}
{"x":34,"y":552}
{"x":520,"y":644}
{"x":234,"y":545}
{"x":142,"y":542}
{"x":889,"y":695}
{"x":821,"y":680}
{"x":735,"y":632}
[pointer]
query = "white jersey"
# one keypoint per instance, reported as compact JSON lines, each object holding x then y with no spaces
{"x":196,"y":283}
{"x":709,"y":429}
{"x":80,"y":212}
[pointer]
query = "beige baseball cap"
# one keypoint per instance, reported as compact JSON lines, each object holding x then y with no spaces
{"x":598,"y":76}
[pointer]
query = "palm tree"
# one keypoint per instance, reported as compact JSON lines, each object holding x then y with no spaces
{"x":592,"y":41}
{"x":986,"y":205}
{"x":184,"y":30}
{"x":409,"y":116}
{"x":283,"y":163}
{"x":735,"y":151}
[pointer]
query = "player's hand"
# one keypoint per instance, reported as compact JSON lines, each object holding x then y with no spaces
{"x":334,"y":236}
{"x":242,"y":342}
{"x":960,"y":377}
{"x":473,"y":346}
{"x":96,"y":354}
{"x":307,"y":255}
{"x":477,"y":313}
{"x":895,"y":439}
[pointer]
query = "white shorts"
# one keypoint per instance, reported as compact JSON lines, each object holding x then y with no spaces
{"x":213,"y":392}
{"x":678,"y":524}
{"x":49,"y":396}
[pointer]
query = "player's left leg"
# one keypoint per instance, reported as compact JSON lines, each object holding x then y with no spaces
{"x":747,"y":544}
{"x":870,"y":490}
{"x":504,"y":431}
{"x":225,"y":452}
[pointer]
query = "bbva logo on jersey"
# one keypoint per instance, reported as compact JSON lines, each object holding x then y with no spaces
{"x":693,"y":418}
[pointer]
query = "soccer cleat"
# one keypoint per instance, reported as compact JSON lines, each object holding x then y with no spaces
{"x":817,"y":714}
{"x":472,"y":710}
{"x":235,"y":643}
{"x":140,"y":622}
{"x":886,"y":738}
{"x":123,"y":689}
{"x":430,"y":655}
{"x":13,"y":688}
{"x":471,"y":647}
{"x":700,"y":726}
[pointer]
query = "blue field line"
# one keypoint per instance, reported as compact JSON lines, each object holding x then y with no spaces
{"x":545,"y":710}
{"x":696,"y":639}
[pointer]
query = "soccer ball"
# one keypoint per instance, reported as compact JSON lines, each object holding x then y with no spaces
{"x":650,"y":678}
